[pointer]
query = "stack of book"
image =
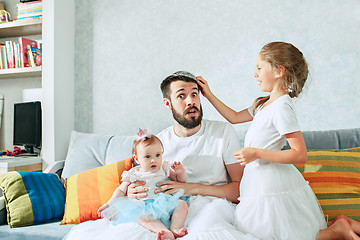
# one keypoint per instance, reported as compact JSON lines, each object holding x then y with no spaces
{"x":19,"y":55}
{"x":29,"y":10}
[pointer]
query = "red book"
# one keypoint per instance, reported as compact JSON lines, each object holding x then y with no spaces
{"x":24,"y":43}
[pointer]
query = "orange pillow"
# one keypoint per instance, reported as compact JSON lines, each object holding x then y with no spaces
{"x":89,"y":190}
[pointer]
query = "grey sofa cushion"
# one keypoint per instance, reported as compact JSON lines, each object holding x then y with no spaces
{"x":331,"y":139}
{"x":47,"y":231}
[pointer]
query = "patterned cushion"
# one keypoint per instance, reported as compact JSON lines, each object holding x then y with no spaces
{"x":89,"y":190}
{"x":32,"y":197}
{"x":334,"y":176}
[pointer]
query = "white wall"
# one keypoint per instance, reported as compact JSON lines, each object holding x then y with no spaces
{"x":128,"y":47}
{"x":58,"y":78}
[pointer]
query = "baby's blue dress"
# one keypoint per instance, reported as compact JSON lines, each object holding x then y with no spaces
{"x":155,"y":206}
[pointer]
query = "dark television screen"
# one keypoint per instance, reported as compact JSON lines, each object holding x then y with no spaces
{"x":27,"y":125}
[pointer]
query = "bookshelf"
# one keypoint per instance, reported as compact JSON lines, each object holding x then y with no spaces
{"x":21,"y":28}
{"x":20,"y":72}
{"x":56,"y":77}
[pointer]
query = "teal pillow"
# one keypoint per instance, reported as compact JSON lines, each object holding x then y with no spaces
{"x":32,"y":197}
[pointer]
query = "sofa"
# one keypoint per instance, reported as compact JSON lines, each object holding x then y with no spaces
{"x":91,"y":151}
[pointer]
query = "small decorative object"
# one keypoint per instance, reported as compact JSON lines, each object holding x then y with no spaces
{"x":5,"y":16}
{"x":39,"y":60}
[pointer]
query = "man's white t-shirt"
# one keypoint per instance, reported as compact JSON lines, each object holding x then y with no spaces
{"x":204,"y":154}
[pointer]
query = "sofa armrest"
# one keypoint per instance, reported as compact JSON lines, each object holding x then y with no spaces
{"x":2,"y":211}
{"x":55,"y":167}
{"x":2,"y":202}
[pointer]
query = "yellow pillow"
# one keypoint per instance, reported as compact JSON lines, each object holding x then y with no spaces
{"x":334,"y":176}
{"x":89,"y":190}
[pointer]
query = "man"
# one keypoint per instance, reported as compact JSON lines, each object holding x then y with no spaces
{"x":206,"y":149}
{"x":181,"y":96}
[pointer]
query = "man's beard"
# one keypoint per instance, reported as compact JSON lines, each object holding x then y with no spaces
{"x":187,"y":123}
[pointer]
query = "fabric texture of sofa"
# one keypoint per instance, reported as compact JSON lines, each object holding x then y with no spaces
{"x":105,"y":150}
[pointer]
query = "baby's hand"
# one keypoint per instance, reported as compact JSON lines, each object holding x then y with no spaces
{"x":178,"y":168}
{"x":102,"y":208}
{"x":205,"y":89}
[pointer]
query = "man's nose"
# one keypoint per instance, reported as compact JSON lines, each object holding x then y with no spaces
{"x":190,"y":101}
{"x":256,"y":75}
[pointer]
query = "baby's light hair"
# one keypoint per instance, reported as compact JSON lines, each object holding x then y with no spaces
{"x":296,"y":69}
{"x":148,"y":140}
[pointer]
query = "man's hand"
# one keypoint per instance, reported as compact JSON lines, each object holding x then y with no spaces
{"x":136,"y":191}
{"x":173,"y":187}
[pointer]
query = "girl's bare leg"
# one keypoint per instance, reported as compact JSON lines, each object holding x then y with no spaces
{"x":158,"y":227}
{"x":337,"y":230}
{"x":178,"y":218}
{"x":355,"y":225}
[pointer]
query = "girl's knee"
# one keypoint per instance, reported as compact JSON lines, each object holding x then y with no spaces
{"x":342,"y":217}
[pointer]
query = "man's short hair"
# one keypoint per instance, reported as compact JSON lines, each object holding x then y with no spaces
{"x":177,"y":76}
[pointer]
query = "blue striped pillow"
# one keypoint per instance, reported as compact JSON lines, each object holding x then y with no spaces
{"x":32,"y":197}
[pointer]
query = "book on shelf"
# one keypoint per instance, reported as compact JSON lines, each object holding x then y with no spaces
{"x":34,"y":53}
{"x":29,"y":10}
{"x":10,"y":54}
{"x":24,"y":43}
{"x":3,"y":56}
{"x":19,"y":55}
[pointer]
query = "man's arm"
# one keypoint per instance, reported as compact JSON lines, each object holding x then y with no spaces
{"x":229,"y":191}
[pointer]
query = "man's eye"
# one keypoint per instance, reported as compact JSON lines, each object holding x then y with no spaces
{"x":147,"y":156}
{"x":181,"y":96}
{"x":194,"y":94}
{"x":157,"y":155}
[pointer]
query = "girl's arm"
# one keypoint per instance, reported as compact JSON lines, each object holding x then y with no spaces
{"x":296,"y":155}
{"x":229,"y":114}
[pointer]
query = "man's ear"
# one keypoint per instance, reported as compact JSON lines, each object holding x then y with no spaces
{"x":167,"y":103}
{"x":280,"y":71}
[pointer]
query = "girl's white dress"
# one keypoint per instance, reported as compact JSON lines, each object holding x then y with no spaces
{"x":157,"y":206}
{"x":275,"y":200}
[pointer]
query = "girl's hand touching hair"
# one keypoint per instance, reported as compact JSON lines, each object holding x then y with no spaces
{"x":204,"y":86}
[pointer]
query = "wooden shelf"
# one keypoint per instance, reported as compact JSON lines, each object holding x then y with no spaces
{"x":20,"y":163}
{"x":20,"y":72}
{"x":21,"y":28}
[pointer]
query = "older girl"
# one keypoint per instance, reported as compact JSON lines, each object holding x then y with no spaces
{"x":275,"y":200}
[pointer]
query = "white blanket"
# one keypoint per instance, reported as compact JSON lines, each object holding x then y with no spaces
{"x":209,"y":218}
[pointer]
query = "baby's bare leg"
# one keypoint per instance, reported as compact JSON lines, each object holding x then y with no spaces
{"x":157,"y":227}
{"x":178,"y":218}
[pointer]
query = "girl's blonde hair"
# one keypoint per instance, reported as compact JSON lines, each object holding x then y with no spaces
{"x":148,"y":140}
{"x":296,"y":69}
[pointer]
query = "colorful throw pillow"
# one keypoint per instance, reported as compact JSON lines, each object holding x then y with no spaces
{"x":334,"y":176}
{"x":32,"y":197}
{"x":89,"y":190}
